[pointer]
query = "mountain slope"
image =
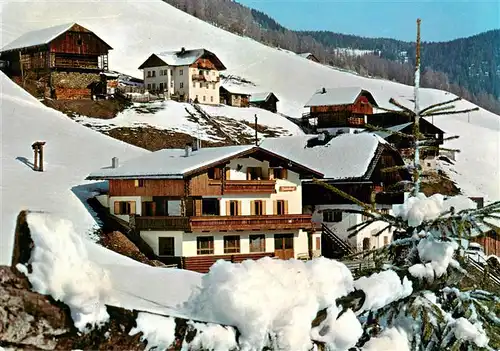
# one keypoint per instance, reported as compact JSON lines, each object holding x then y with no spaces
{"x":135,"y":29}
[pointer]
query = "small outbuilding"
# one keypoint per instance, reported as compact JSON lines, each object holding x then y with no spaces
{"x":231,"y":97}
{"x":267,"y":101}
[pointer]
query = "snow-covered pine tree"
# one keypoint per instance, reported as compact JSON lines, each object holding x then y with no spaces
{"x":444,"y":311}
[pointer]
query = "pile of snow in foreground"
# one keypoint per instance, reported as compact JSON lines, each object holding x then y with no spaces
{"x":85,"y":276}
{"x":420,"y":208}
{"x":280,"y":299}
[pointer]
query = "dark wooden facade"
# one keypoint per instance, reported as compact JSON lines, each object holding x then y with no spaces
{"x":270,"y":103}
{"x":490,"y":243}
{"x":77,"y":51}
{"x":148,"y":187}
{"x":233,"y":99}
{"x":202,"y":264}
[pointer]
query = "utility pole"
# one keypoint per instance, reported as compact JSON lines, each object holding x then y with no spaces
{"x":416,"y":125}
{"x":256,"y":137}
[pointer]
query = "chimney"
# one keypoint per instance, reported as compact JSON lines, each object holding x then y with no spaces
{"x":323,"y":91}
{"x":188,"y":148}
{"x":114,"y":162}
{"x":183,"y":50}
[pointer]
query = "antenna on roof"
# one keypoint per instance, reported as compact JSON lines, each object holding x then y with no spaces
{"x":256,"y":138}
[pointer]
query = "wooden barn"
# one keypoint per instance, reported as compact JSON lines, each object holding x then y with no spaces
{"x":231,"y":97}
{"x":309,"y":56}
{"x":266,"y":101}
{"x":490,"y":241}
{"x":67,"y":58}
{"x":340,"y":107}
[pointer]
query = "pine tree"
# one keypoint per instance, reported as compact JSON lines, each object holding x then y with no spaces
{"x":427,"y":251}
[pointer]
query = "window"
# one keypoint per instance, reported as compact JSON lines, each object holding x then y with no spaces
{"x":386,"y":240}
{"x":166,"y":246}
{"x":181,"y":72}
{"x":149,"y":74}
{"x":171,"y":72}
{"x":215,"y":173}
{"x":204,"y":98}
{"x":205,"y":245}
{"x":281,"y":207}
{"x":258,"y":243}
{"x":206,"y":86}
{"x":161,"y":86}
{"x":153,"y":86}
{"x":278,"y":173}
{"x":254,"y":173}
{"x":232,"y":244}
{"x":257,"y":208}
{"x":165,"y":72}
{"x":181,"y":85}
{"x":148,"y":208}
{"x":210,"y":207}
{"x":234,"y":208}
{"x":196,"y":98}
{"x":332,"y":216}
{"x":201,"y":86}
{"x":79,"y":42}
{"x":153,"y":73}
{"x":139,"y":183}
{"x":213,"y":86}
{"x":161,"y":72}
{"x":194,"y":84}
{"x":124,"y":207}
{"x":211,"y":99}
{"x":171,"y":83}
{"x":149,"y":86}
{"x":200,"y":72}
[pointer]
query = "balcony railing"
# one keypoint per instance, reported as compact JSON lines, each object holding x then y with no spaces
{"x":250,"y":186}
{"x":161,"y":222}
{"x":205,"y":78}
{"x":269,"y":222}
{"x":223,"y":223}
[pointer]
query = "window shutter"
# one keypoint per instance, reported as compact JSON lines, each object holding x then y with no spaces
{"x":132,"y":207}
{"x":248,"y":173}
{"x":228,"y":208}
{"x":153,"y":208}
{"x":263,"y":207}
{"x":143,"y":208}
{"x":284,"y":173}
{"x":239,"y":207}
{"x":270,"y":175}
{"x":117,"y":208}
{"x":136,"y":183}
{"x":318,"y":243}
{"x":275,"y":207}
{"x":252,"y":208}
{"x":286,"y":206}
{"x":227,"y":173}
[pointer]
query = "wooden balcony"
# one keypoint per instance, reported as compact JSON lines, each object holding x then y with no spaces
{"x":205,"y":78}
{"x":250,"y":186}
{"x":234,"y":223}
{"x":160,"y":223}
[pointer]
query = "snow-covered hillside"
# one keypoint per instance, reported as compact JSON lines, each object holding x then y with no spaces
{"x":71,"y":153}
{"x":135,"y":29}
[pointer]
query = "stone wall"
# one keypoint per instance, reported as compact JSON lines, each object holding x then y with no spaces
{"x":72,"y":85}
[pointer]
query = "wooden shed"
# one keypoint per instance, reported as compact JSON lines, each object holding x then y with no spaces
{"x":68,"y":58}
{"x":234,"y":98}
{"x":266,"y":101}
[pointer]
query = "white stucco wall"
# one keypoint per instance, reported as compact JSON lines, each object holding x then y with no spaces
{"x":351,"y":219}
{"x":210,"y":92}
{"x":300,"y":243}
{"x":103,"y":200}
{"x":151,"y":238}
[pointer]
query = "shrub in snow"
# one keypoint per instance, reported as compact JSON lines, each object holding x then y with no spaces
{"x":158,"y":331}
{"x":390,"y":339}
{"x":60,"y":268}
{"x":270,"y":297}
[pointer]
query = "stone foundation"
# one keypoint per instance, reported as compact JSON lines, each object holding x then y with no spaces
{"x":73,"y":85}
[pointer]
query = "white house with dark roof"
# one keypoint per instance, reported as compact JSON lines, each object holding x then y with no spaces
{"x":232,"y":203}
{"x":186,"y":75}
{"x":352,"y":163}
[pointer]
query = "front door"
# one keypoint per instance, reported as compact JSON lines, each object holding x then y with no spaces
{"x":283,"y":246}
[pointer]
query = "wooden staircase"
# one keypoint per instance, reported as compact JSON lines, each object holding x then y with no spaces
{"x":333,"y":245}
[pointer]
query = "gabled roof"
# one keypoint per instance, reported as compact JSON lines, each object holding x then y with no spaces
{"x":262,"y":97}
{"x":39,"y":37}
{"x":183,"y":58}
{"x":307,"y":54}
{"x":173,"y":163}
{"x":348,"y":156}
{"x":338,"y":96}
{"x":397,"y":128}
{"x":234,"y":90}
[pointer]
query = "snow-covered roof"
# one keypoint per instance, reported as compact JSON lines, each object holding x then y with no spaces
{"x":335,"y":96}
{"x":37,"y":37}
{"x":169,"y":163}
{"x":259,"y":97}
{"x":234,"y":89}
{"x":174,"y":164}
{"x":396,"y":128}
{"x":183,"y":57}
{"x":305,"y":54}
{"x":347,"y":156}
